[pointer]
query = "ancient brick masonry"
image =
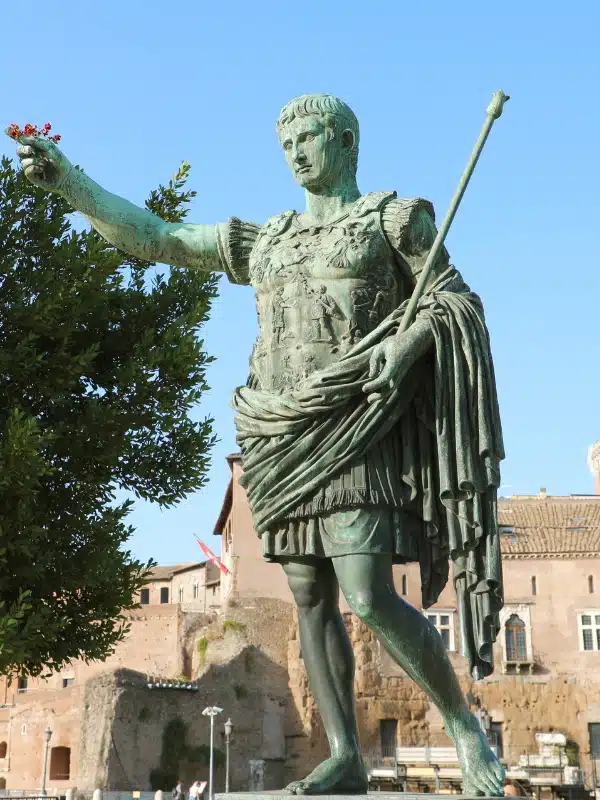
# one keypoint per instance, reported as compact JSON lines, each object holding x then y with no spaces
{"x":246,"y":658}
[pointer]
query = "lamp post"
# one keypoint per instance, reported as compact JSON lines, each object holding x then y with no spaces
{"x":228,"y":730}
{"x":484,"y":720}
{"x":47,"y":737}
{"x":211,"y":711}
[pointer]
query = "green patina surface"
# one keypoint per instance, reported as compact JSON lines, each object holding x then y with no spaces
{"x":364,"y":444}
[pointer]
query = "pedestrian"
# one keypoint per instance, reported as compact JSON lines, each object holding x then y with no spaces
{"x":194,"y":790}
{"x":178,"y":793}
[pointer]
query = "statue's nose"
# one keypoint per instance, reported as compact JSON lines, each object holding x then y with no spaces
{"x":299,"y":156}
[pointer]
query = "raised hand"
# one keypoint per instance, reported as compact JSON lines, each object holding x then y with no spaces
{"x":44,"y":164}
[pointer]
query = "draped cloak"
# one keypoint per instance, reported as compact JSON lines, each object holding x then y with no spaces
{"x":445,"y":415}
{"x":446,"y":412}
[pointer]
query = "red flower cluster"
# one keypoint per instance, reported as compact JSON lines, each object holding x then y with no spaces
{"x":32,"y":130}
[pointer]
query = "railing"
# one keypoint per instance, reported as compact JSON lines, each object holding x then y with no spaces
{"x":518,"y":666}
{"x":138,"y":795}
{"x":33,"y":794}
{"x":427,"y":755}
{"x":544,"y":769}
{"x":383,"y":767}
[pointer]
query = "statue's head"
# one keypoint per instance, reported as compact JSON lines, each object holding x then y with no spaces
{"x":319,"y":135}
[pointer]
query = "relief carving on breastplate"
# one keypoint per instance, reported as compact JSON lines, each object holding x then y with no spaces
{"x":320,"y":310}
{"x":279,"y":304}
{"x":321,"y":289}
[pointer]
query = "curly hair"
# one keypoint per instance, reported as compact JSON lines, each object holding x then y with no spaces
{"x":337,"y":117}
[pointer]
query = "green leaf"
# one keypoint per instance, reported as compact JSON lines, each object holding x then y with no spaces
{"x":100,"y":367}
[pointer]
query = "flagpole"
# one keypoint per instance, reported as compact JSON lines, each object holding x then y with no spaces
{"x":211,"y":557}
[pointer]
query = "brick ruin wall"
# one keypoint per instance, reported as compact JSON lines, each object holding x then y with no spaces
{"x":247,"y":660}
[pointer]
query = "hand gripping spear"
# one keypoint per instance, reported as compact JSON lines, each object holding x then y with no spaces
{"x":493,"y":112}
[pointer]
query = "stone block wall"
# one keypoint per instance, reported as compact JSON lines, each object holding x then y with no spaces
{"x":524,"y":705}
{"x":243,"y":670}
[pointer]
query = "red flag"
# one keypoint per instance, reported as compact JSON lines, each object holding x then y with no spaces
{"x":213,"y":558}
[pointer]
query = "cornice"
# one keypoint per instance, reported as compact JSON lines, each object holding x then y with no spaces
{"x":547,"y":556}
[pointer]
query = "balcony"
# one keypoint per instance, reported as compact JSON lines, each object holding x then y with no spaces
{"x":518,"y":667}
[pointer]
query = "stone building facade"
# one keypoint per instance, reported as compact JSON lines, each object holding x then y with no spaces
{"x":547,"y":657}
{"x":173,"y":600}
{"x":201,"y":638}
{"x":193,"y":587}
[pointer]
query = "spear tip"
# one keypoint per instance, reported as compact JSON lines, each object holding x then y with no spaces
{"x":497,"y":104}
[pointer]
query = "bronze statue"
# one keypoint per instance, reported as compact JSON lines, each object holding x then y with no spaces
{"x":366,"y":440}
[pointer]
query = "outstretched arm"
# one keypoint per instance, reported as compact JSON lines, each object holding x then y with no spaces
{"x":138,"y":231}
{"x":132,"y":229}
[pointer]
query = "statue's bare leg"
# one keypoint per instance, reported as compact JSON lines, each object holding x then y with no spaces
{"x":415,"y":644}
{"x":329,"y":662}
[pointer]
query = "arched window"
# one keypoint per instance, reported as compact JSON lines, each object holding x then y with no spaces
{"x":196,"y":590}
{"x":516,"y":642}
{"x":3,"y":749}
{"x":60,"y":763}
{"x":591,"y":584}
{"x":404,"y":584}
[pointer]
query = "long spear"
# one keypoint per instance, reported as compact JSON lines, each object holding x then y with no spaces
{"x":493,"y":112}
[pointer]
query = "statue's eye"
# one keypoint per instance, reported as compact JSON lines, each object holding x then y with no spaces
{"x":287,"y":145}
{"x":309,"y":137}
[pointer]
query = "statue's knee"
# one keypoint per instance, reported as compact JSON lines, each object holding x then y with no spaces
{"x":364,"y":605}
{"x":306,"y":591}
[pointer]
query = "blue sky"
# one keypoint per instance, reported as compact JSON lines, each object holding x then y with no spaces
{"x":136,"y":87}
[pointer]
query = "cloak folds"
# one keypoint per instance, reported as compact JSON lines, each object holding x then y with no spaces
{"x":450,"y":429}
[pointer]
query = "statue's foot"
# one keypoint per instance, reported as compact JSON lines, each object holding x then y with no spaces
{"x":337,"y":775}
{"x":483,"y":774}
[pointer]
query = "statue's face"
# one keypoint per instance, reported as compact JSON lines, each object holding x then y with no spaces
{"x":315,"y":159}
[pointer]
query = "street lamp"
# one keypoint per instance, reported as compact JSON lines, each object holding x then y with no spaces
{"x":484,"y":720}
{"x":228,"y":730}
{"x":47,"y":737}
{"x":211,"y":711}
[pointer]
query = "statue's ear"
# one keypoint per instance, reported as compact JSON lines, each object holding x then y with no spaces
{"x":348,"y":139}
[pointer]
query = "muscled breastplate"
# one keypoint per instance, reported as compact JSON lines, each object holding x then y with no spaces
{"x":319,"y":290}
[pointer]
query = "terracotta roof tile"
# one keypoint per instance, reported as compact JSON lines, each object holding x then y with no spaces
{"x":561,"y":525}
{"x":165,"y":573}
